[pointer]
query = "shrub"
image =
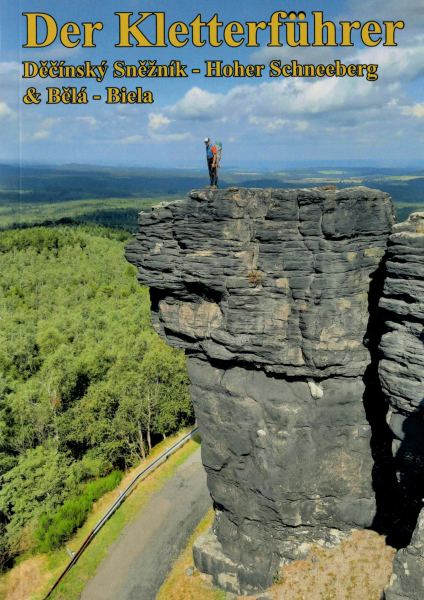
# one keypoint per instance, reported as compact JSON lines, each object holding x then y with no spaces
{"x":254,"y":277}
{"x":54,"y":530}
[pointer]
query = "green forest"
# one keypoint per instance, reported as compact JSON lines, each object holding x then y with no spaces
{"x":86,"y":385}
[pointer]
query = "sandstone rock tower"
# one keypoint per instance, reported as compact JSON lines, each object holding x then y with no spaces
{"x":271,"y":293}
{"x":401,"y":371}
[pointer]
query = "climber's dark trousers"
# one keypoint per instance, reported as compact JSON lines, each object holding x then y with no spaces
{"x":213,"y":175}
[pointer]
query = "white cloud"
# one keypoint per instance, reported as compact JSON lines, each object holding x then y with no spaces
{"x":416,"y":110}
{"x":276,"y":124}
{"x":269,"y":125}
{"x":7,"y":67}
{"x":6,"y":111}
{"x":266,"y":123}
{"x":158,"y":120}
{"x":409,"y":11}
{"x":171,"y":137}
{"x":398,"y":63}
{"x":287,"y":96}
{"x":347,"y":101}
{"x":49,"y":122}
{"x":132,"y":139}
{"x":41,"y":135}
{"x":91,"y":121}
{"x":302,"y":125}
{"x":198,"y":104}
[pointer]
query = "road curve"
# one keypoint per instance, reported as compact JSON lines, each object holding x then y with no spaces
{"x":138,"y":563}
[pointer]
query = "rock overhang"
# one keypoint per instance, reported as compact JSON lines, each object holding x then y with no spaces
{"x":275,"y":278}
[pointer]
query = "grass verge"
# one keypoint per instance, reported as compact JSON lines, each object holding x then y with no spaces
{"x":180,"y":586}
{"x":32,"y":578}
{"x":358,"y":569}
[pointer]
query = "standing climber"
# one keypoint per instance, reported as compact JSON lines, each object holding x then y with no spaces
{"x":213,"y":159}
{"x":210,"y":160}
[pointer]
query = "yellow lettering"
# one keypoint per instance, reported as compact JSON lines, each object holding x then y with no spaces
{"x":347,"y":27}
{"x":319,"y":31}
{"x":390,"y":31}
{"x":89,"y":29}
{"x":175,"y":30}
{"x":275,"y":68}
{"x":230,"y":31}
{"x":213,"y":31}
{"x":196,"y":28}
{"x":370,"y":28}
{"x":67,"y":30}
{"x":30,"y":69}
{"x":303,"y":34}
{"x":32,"y":30}
{"x":252,"y":36}
{"x":125,"y":30}
{"x":275,"y":25}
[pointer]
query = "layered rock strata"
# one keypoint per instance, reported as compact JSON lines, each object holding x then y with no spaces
{"x":401,"y":370}
{"x":269,"y":292}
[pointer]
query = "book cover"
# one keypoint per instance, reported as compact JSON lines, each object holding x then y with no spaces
{"x":288,"y":126}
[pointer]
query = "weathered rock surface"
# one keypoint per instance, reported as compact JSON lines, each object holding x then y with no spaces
{"x":257,"y":276}
{"x":270,"y":294}
{"x":401,"y":371}
{"x":407,"y":580}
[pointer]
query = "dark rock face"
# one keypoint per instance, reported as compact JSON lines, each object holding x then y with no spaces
{"x":270,"y":294}
{"x":407,"y":580}
{"x":285,"y":468}
{"x":401,"y":371}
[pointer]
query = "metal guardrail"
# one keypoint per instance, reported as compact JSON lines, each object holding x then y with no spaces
{"x":118,"y":502}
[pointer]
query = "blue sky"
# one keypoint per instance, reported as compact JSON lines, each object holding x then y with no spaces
{"x":261,"y":121}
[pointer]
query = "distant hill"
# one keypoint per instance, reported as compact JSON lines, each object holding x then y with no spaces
{"x":114,"y":195}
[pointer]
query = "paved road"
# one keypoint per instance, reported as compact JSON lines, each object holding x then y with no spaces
{"x":139,"y":561}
